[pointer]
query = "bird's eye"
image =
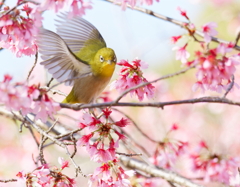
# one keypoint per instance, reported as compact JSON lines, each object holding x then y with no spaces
{"x":101,"y":59}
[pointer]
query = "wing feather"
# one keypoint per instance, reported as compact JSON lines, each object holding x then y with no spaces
{"x":76,"y":31}
{"x":58,"y":58}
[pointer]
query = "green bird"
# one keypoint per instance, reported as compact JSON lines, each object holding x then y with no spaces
{"x":77,"y":55}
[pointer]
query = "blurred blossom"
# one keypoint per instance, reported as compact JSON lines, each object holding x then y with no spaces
{"x":132,"y":3}
{"x":42,"y":177}
{"x":215,"y":69}
{"x":174,"y":39}
{"x":168,"y":151}
{"x":182,"y":54}
{"x":209,"y":31}
{"x":183,"y":13}
{"x":27,"y":99}
{"x":213,"y":167}
{"x":76,"y":7}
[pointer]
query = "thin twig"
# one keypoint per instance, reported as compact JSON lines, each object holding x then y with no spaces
{"x":74,"y":145}
{"x":31,"y":70}
{"x":171,"y":20}
{"x":21,"y":127}
{"x":230,"y":87}
{"x":129,"y":154}
{"x":50,"y":128}
{"x":237,"y":38}
{"x":68,"y":133}
{"x":41,"y":155}
{"x":8,"y":180}
{"x":137,"y":127}
{"x":33,"y":135}
{"x":48,"y":84}
{"x":135,"y":143}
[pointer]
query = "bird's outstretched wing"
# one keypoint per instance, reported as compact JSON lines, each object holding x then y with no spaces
{"x":80,"y":35}
{"x":59,"y":60}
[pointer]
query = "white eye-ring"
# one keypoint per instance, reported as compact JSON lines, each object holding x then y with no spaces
{"x":101,"y":59}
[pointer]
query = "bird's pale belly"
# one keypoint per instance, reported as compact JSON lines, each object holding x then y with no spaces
{"x":87,"y":89}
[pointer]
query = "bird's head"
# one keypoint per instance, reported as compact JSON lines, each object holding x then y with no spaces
{"x":104,"y":62}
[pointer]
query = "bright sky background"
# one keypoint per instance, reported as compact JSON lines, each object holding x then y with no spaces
{"x":130,"y":33}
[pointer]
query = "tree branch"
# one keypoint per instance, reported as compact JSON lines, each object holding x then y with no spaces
{"x":156,"y":172}
{"x":152,"y":104}
{"x":35,"y":63}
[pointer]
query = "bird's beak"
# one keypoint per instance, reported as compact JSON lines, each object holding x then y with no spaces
{"x":109,"y":62}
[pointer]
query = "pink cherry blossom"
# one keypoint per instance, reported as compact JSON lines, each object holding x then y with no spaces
{"x":168,"y":151}
{"x":224,"y":48}
{"x":76,"y":7}
{"x":20,"y":97}
{"x":102,"y":156}
{"x":209,"y":31}
{"x":55,"y":5}
{"x":109,"y":174}
{"x":84,"y":140}
{"x":133,"y":3}
{"x":18,"y":32}
{"x":174,"y":39}
{"x":63,"y":163}
{"x":213,"y":167}
{"x":122,"y":123}
{"x":182,"y":54}
{"x":99,"y":141}
{"x":215,"y":69}
{"x":183,"y":13}
{"x":77,"y":10}
{"x":44,"y":108}
{"x":131,"y":75}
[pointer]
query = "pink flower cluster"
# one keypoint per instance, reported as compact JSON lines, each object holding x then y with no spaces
{"x":18,"y":29}
{"x":133,"y":3}
{"x":131,"y":75}
{"x":27,"y":99}
{"x":110,"y":175}
{"x":44,"y":176}
{"x":213,"y":167}
{"x":77,"y":7}
{"x":20,"y":26}
{"x":209,"y":31}
{"x":215,"y":69}
{"x":168,"y":151}
{"x":103,"y":149}
{"x":216,"y":66}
